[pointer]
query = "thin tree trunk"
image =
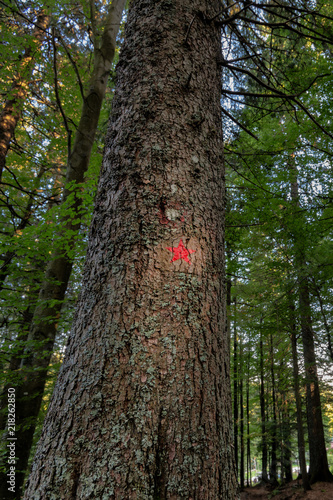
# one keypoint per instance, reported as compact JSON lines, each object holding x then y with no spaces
{"x":19,"y":344}
{"x":248,"y":440}
{"x":263,"y":413}
{"x":241,"y":405}
{"x":326,"y":325}
{"x":142,"y":406}
{"x":300,"y":431}
{"x":228,"y":302}
{"x":273,"y":464}
{"x":286,"y":464}
{"x":235,"y":376}
{"x":44,"y":325}
{"x":14,"y":365}
{"x":13,"y":106}
{"x":8,"y":256}
{"x":319,"y":470}
{"x":242,"y":447}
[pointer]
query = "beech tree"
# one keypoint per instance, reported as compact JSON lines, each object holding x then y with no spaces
{"x":11,"y":111}
{"x":32,"y":361}
{"x":152,"y":290}
{"x":141,"y":408}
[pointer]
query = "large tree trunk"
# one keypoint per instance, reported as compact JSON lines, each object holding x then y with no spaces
{"x":13,"y":106}
{"x":300,"y":430}
{"x":319,"y":470}
{"x":43,"y":329}
{"x":142,"y":406}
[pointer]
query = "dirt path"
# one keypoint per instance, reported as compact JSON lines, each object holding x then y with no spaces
{"x":292,"y":491}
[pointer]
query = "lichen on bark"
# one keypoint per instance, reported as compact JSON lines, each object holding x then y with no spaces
{"x":141,"y":409}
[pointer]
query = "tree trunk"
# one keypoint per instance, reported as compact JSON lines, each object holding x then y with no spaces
{"x":142,"y":406}
{"x":241,"y":405}
{"x":12,"y":109}
{"x":319,"y":470}
{"x":263,"y":413}
{"x":325,"y":320}
{"x":286,"y":463}
{"x":242,"y":447}
{"x":248,"y":439}
{"x":300,"y":431}
{"x":273,"y":466}
{"x":9,"y":255}
{"x":44,"y":325}
{"x":235,"y":383}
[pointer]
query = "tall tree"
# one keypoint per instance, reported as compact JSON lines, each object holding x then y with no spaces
{"x":13,"y":105}
{"x":142,"y":405}
{"x":36,"y":359}
{"x":300,"y":430}
{"x":319,"y":470}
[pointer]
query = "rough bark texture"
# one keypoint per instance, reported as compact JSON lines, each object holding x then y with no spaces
{"x":44,"y":324}
{"x":12,"y":109}
{"x":141,"y":409}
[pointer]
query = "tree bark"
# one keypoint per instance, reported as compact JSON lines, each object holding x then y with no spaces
{"x":300,"y":430}
{"x":325,"y":321}
{"x":241,"y":423}
{"x":319,"y":470}
{"x":242,"y":441}
{"x":235,"y":384}
{"x":264,"y":474}
{"x":248,"y":438}
{"x":285,"y":430}
{"x":43,"y":329}
{"x":142,"y":406}
{"x":13,"y":106}
{"x":273,"y":465}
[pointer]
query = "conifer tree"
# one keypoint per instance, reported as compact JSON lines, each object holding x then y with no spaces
{"x":142,"y":405}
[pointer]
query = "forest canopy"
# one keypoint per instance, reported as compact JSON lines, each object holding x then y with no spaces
{"x":57,"y":83}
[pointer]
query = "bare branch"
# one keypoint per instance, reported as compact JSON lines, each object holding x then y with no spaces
{"x":239,"y":124}
{"x":56,"y":90}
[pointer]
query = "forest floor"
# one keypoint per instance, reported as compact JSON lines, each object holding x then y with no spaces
{"x":290,"y":491}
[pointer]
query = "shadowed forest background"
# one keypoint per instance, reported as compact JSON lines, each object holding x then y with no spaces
{"x":276,"y":111}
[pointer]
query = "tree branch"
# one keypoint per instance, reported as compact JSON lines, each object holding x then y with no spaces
{"x":56,"y":90}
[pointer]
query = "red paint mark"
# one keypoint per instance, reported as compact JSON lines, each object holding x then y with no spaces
{"x":180,"y":252}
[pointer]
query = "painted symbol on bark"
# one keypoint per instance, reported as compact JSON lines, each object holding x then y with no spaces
{"x":180,"y":252}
